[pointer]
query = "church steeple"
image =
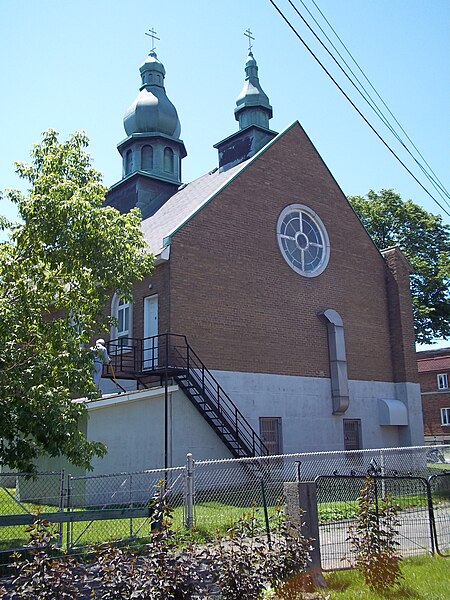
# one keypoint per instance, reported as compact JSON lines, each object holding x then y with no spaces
{"x":152,"y":151}
{"x":153,"y":145}
{"x":152,"y":111}
{"x":252,"y":104}
{"x":253,"y":111}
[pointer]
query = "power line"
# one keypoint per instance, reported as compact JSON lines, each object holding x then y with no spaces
{"x":368,"y":99}
{"x":434,"y":178}
{"x":354,"y":105}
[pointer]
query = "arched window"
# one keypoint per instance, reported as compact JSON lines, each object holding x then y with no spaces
{"x":121,"y":333}
{"x":128,"y":162}
{"x":147,"y":158}
{"x":168,"y":160}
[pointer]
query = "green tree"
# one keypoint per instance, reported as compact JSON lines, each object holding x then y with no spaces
{"x":57,"y":269}
{"x":425,"y":241}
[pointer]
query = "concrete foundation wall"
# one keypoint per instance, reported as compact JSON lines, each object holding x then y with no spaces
{"x":133,"y":425}
{"x":305,"y":407}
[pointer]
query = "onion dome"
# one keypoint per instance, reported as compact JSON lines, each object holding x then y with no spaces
{"x":252,"y":105}
{"x":152,"y":111}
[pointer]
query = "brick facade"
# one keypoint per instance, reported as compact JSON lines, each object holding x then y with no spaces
{"x":244,"y":309}
{"x":431,"y":363}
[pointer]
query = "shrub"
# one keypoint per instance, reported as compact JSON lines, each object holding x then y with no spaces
{"x":116,"y":572}
{"x":239,"y":560}
{"x":43,"y":576}
{"x":288,"y":558}
{"x":373,"y":539}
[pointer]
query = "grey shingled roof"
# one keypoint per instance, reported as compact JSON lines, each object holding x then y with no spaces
{"x":184,"y":204}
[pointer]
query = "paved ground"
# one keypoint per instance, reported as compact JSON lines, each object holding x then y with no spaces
{"x":414,"y":537}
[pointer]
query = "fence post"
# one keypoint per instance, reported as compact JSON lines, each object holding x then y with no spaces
{"x":61,"y":507}
{"x":301,"y":511}
{"x":433,"y":534}
{"x":383,"y":473}
{"x":189,"y":491}
{"x":69,"y":525}
{"x":130,"y":503}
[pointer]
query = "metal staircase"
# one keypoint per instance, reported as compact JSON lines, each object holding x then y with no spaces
{"x":170,"y":357}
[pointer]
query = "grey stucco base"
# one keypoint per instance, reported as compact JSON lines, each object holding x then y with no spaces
{"x":305,"y":407}
{"x":132,"y":425}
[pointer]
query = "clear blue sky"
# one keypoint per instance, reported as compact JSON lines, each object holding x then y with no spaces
{"x":74,"y":65}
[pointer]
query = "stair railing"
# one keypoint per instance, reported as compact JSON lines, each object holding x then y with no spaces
{"x":171,"y":353}
{"x":224,"y":407}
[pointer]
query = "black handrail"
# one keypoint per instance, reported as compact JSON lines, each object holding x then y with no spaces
{"x":171,"y":353}
{"x":226,"y":407}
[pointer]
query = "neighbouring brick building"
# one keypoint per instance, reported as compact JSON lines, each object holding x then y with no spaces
{"x":303,"y":327}
{"x":434,"y":378}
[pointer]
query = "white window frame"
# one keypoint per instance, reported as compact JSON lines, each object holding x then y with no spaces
{"x":445,"y":417}
{"x":298,"y":229}
{"x":442,"y":381}
{"x":126,"y":334}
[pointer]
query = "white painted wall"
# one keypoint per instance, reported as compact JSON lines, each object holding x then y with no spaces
{"x":132,"y":427}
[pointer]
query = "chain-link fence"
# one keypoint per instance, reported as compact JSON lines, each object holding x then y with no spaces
{"x":211,"y":495}
{"x":124,"y":497}
{"x":225,"y":489}
{"x":440,"y":492}
{"x":23,"y":495}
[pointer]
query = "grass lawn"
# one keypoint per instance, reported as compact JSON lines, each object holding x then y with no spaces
{"x":211,"y":517}
{"x":425,"y":578}
{"x":439,"y":466}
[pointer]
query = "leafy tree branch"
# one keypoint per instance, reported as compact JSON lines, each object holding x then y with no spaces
{"x":57,"y":271}
{"x":425,"y":241}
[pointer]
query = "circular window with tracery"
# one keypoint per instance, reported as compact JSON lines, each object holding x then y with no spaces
{"x":303,"y":240}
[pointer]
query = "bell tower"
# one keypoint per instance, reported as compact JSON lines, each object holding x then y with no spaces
{"x":253,"y":111}
{"x":152,"y":151}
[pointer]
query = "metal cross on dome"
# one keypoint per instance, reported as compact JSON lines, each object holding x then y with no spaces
{"x":152,"y":34}
{"x":250,"y":37}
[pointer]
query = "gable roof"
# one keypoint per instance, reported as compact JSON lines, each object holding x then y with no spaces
{"x":191,"y":198}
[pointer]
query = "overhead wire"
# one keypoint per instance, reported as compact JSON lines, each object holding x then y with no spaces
{"x":436,"y":184}
{"x":365,"y":119}
{"x":435,"y":177}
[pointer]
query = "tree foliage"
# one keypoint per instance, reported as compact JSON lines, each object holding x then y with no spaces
{"x":57,"y":270}
{"x":425,"y":241}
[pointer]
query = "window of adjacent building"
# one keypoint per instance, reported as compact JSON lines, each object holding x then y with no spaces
{"x":168,"y":160}
{"x":445,"y":416}
{"x":352,"y":434}
{"x":270,"y":432}
{"x":122,"y":332}
{"x":147,"y":158}
{"x":442,"y":381}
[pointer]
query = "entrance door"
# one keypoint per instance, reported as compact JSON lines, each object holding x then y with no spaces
{"x":150,"y":331}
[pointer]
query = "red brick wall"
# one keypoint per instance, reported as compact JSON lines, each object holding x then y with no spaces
{"x":400,"y":316}
{"x":433,"y":400}
{"x":240,"y":304}
{"x":159,"y":282}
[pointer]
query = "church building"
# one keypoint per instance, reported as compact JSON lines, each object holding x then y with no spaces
{"x":271,"y":322}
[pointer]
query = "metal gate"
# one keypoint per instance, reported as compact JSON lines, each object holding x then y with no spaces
{"x":439,"y":486}
{"x":423,"y":514}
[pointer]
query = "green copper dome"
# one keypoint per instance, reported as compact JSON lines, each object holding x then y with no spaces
{"x":152,"y":111}
{"x":252,"y":105}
